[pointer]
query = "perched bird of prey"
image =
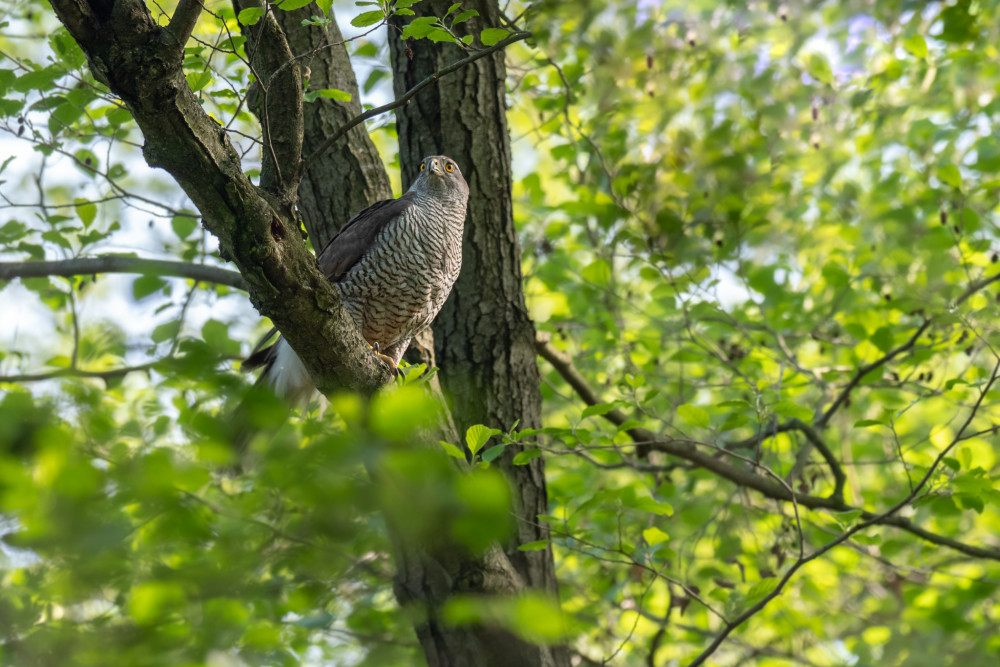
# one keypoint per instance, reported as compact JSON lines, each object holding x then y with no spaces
{"x":394,"y":264}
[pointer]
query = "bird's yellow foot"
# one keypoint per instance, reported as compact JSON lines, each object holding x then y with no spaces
{"x":387,"y":359}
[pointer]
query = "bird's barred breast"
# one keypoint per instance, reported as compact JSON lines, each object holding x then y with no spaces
{"x":403,"y":280}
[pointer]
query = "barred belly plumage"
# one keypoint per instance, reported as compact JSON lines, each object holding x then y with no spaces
{"x":400,"y":287}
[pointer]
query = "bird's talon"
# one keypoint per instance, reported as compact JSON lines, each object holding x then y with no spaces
{"x":386,"y":359}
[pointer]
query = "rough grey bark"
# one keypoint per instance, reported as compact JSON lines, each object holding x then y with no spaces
{"x":349,"y":177}
{"x":484,"y":337}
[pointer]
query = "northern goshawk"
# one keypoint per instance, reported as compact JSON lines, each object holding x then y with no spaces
{"x":394,"y":264}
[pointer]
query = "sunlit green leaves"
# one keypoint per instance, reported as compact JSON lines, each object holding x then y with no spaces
{"x":491,"y":36}
{"x":693,"y":415}
{"x":916,"y":45}
{"x":477,"y":435}
{"x":250,"y":15}
{"x":365,"y":19}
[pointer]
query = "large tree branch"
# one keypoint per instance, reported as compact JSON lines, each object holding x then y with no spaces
{"x":403,"y":99}
{"x":84,"y":266}
{"x":276,"y":99}
{"x":182,"y":23}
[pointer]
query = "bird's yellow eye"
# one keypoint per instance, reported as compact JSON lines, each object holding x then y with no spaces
{"x":423,"y":166}
{"x":449,"y":167}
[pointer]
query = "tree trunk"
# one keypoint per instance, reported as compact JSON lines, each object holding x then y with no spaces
{"x":484,"y":337}
{"x":349,"y":177}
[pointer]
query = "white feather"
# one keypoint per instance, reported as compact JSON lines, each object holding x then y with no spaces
{"x":288,"y":377}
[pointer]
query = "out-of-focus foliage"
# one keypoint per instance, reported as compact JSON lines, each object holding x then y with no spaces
{"x":737,"y":218}
{"x":728,"y":210}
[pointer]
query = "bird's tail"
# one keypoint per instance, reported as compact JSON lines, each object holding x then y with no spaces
{"x":283,"y":376}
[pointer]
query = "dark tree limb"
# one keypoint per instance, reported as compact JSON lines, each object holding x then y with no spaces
{"x":182,"y":23}
{"x":85,"y":266}
{"x":276,"y":99}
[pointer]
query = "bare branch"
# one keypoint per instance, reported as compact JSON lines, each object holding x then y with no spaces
{"x":400,"y":101}
{"x":747,"y":477}
{"x":83,"y":266}
{"x":110,"y":374}
{"x":824,"y":419}
{"x":843,"y":537}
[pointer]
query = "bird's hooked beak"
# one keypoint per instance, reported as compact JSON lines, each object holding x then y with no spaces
{"x":436,"y":167}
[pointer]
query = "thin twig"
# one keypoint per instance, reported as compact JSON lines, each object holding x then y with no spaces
{"x":847,"y":534}
{"x":82,"y":266}
{"x":400,"y":101}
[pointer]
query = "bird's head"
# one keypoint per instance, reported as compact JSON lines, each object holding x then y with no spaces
{"x":440,"y":175}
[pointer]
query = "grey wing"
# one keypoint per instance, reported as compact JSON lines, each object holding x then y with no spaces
{"x":356,"y":237}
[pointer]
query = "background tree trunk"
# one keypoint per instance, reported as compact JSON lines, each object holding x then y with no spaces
{"x":349,"y":177}
{"x":484,"y":337}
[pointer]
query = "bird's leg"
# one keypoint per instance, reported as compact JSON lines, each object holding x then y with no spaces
{"x":387,"y":359}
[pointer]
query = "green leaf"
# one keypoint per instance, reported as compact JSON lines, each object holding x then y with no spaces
{"x":452,"y":450}
{"x":868,"y":422}
{"x":166,"y":331}
{"x":654,"y":536}
{"x":883,"y":338}
{"x":598,"y":409}
{"x":916,"y":45}
{"x":198,"y":80}
{"x":493,"y":452}
{"x":10,"y":108}
{"x":651,"y":505}
{"x":332,"y":94}
{"x":950,"y":175}
{"x":40,"y":79}
{"x":598,"y":272}
{"x":143,"y":286}
{"x":491,"y":36}
{"x":365,"y":19}
{"x":477,"y":435}
{"x":439,"y":35}
{"x":693,"y":415}
{"x":819,"y":68}
{"x":151,"y":601}
{"x":86,"y":211}
{"x":419,"y":27}
{"x":325,"y":6}
{"x":250,"y":15}
{"x":522,"y":458}
{"x":464,"y":16}
{"x":183,"y":225}
{"x":845,"y":519}
{"x":793,"y":411}
{"x":216,"y":334}
{"x":290,"y":5}
{"x":537,"y":545}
